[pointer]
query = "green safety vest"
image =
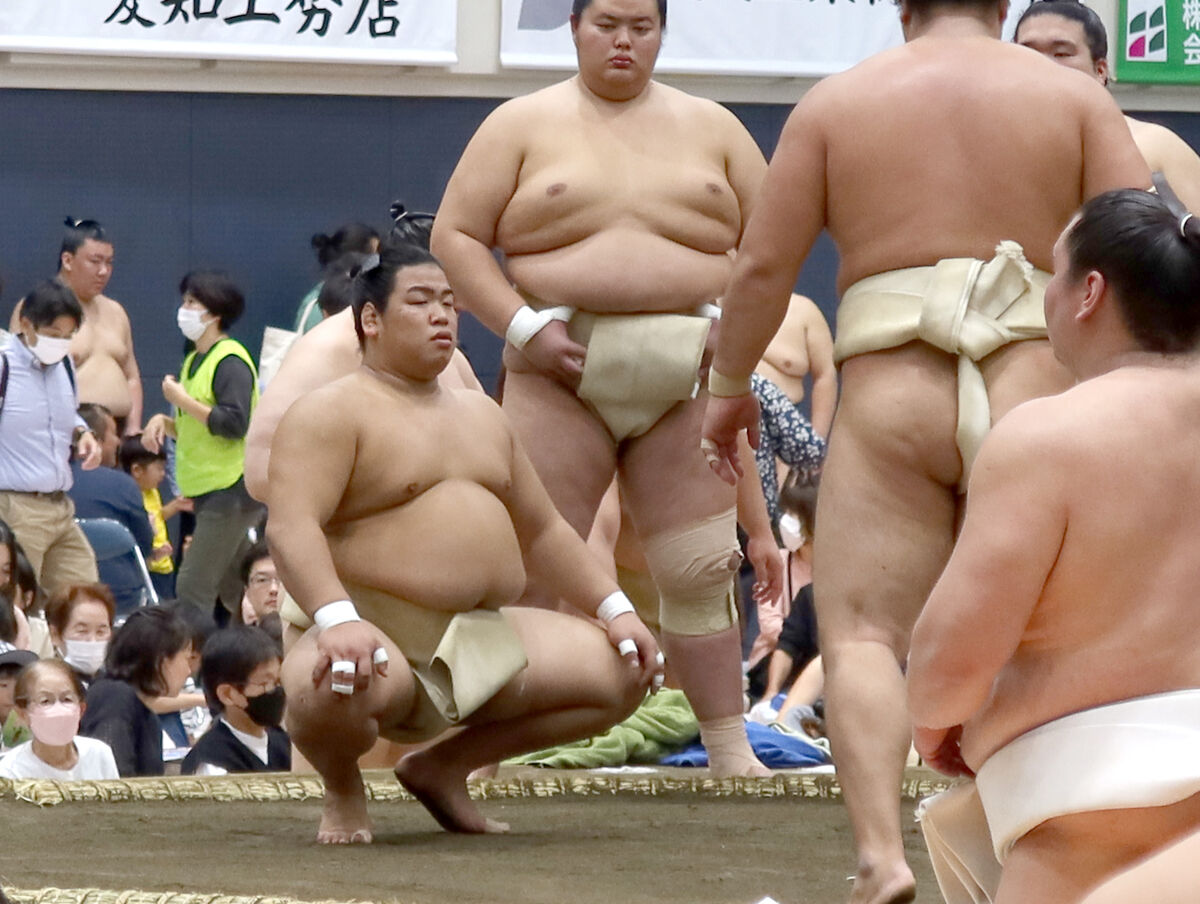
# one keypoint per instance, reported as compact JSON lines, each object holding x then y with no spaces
{"x":205,"y":462}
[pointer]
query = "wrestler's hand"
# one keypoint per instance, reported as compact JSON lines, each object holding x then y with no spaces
{"x":768,"y":569}
{"x":554,"y":353}
{"x":647,"y":659}
{"x":724,"y":419}
{"x":354,"y":641}
{"x":939,"y":749}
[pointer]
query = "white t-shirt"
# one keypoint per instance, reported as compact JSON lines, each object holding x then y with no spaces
{"x":95,"y":762}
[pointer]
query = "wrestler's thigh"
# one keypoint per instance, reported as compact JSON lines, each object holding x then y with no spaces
{"x":887,"y":502}
{"x":1070,"y":855}
{"x":1022,"y":371}
{"x":571,"y":664}
{"x":572,"y":452}
{"x":665,"y":481}
{"x":1169,"y":876}
{"x":388,"y":698}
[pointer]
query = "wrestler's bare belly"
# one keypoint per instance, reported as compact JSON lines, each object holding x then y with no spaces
{"x":101,"y":380}
{"x":452,"y":548}
{"x":97,"y":350}
{"x":624,"y":270}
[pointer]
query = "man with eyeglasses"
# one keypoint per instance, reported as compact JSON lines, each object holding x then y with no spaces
{"x":262,"y":585}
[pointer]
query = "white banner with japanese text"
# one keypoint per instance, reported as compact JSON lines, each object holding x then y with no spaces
{"x":730,"y":37}
{"x":412,"y":32}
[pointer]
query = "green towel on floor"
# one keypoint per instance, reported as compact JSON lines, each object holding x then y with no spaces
{"x":661,"y":725}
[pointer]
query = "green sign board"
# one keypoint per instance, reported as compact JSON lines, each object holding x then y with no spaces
{"x":1160,"y":41}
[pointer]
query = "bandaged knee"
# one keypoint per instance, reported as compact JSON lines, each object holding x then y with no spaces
{"x":694,"y":567}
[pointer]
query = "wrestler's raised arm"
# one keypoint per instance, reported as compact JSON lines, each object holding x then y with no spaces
{"x":1015,"y":523}
{"x":1111,"y":159}
{"x":560,"y":559}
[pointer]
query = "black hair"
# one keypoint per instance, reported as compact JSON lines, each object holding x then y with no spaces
{"x":149,"y":637}
{"x":412,"y":227}
{"x":1150,"y":257}
{"x":349,"y":237}
{"x":217,"y":292}
{"x":255,"y":553}
{"x":376,"y":279}
{"x":337,"y":291}
{"x":578,"y":6}
{"x":799,"y":496}
{"x":8,"y":615}
{"x":1093,"y":25}
{"x":230,"y":656}
{"x":132,"y":452}
{"x":26,"y":580}
{"x":96,"y":417}
{"x":200,"y":624}
{"x":79,"y":231}
{"x":9,"y":539}
{"x":49,"y":300}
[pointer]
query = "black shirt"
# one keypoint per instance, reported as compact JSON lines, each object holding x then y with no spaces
{"x":220,"y":747}
{"x":117,"y":716}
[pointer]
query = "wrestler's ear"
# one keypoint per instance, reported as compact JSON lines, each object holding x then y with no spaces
{"x":1101,"y":67}
{"x":1096,"y":287}
{"x":369,"y":318}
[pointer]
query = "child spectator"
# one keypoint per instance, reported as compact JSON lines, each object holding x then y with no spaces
{"x":148,"y":470}
{"x":12,"y":730}
{"x":240,"y":673}
{"x":49,"y":698}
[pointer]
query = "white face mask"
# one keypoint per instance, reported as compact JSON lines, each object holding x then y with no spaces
{"x":50,"y":349}
{"x":86,"y":655}
{"x":790,"y":531}
{"x":191,"y":323}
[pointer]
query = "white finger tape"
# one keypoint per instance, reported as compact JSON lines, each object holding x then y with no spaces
{"x":338,"y":688}
{"x":627,"y":646}
{"x":659,"y":658}
{"x":343,"y":666}
{"x":380,"y":656}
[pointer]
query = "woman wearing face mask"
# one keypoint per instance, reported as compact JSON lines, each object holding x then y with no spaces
{"x":80,"y":618}
{"x":148,"y":658}
{"x":213,"y":398}
{"x":49,"y":699}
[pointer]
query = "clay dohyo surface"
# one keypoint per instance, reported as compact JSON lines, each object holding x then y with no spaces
{"x":616,"y":849}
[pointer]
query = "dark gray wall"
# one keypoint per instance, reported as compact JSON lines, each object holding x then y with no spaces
{"x":241,"y":182}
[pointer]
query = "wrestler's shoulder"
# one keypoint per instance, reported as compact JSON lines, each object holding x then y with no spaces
{"x":1061,"y":422}
{"x":111,"y":307}
{"x":550,"y":100}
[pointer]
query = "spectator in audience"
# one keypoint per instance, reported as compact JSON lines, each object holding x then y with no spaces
{"x":352,"y":237}
{"x":28,"y":601}
{"x":8,"y":609}
{"x":184,"y":717}
{"x":149,"y":470}
{"x":214,"y":396}
{"x":49,"y":698}
{"x":103,"y":347}
{"x":12,"y":730}
{"x":240,"y":673}
{"x":38,"y":431}
{"x":262,"y":585}
{"x":147,"y":658}
{"x":80,"y":619}
{"x":107,"y":492}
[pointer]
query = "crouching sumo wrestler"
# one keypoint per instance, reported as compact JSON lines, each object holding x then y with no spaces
{"x":403,"y":517}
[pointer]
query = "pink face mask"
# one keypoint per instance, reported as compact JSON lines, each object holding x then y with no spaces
{"x":55,"y":725}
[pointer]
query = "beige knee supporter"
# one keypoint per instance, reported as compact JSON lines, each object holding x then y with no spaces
{"x":694,"y":566}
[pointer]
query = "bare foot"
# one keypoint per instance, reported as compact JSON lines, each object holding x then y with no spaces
{"x":873,"y":886}
{"x":488,"y":771}
{"x":737,"y":765}
{"x":444,"y":794}
{"x":344,"y":819}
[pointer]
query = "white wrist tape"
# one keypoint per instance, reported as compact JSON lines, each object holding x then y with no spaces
{"x":614,"y":604}
{"x":709,"y":310}
{"x":527,"y":322}
{"x":336,"y":613}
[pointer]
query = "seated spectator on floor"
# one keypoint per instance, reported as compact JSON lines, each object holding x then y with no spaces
{"x":39,"y":430}
{"x":29,"y":602}
{"x":240,"y":673}
{"x":147,"y":658}
{"x":108,"y":492}
{"x":262,"y":585}
{"x":8,"y":611}
{"x":12,"y":730}
{"x":184,"y":717}
{"x":80,"y":619}
{"x":149,"y":471}
{"x":50,"y":700}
